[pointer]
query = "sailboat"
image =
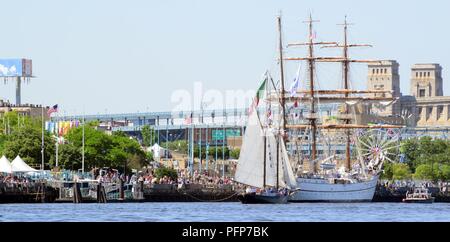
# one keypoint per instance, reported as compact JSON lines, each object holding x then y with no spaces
{"x":264,"y":165}
{"x":324,"y":181}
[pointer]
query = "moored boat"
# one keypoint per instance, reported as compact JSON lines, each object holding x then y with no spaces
{"x":419,"y":195}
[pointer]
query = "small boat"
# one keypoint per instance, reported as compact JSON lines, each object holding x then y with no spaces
{"x":420,"y":195}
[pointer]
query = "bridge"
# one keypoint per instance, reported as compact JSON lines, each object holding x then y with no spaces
{"x":205,"y":124}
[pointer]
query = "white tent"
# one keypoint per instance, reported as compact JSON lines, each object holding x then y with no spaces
{"x":156,"y":149}
{"x":5,"y":165}
{"x":18,"y":165}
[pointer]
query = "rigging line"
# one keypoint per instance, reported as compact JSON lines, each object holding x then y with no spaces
{"x":217,"y":200}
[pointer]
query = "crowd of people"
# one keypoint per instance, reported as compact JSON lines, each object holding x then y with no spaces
{"x":183,"y":177}
{"x":394,"y":185}
{"x":11,"y":179}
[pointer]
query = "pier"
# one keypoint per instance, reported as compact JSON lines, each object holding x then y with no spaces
{"x":37,"y":192}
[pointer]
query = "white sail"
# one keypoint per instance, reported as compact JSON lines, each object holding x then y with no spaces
{"x":250,"y":168}
{"x":271,"y":158}
{"x":288,"y":179}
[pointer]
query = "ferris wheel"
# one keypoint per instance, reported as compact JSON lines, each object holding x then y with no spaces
{"x":376,"y":146}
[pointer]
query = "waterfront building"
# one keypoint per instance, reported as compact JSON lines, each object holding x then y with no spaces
{"x":32,"y":110}
{"x":426,"y":107}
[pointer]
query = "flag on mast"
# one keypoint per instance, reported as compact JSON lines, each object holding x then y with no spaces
{"x":259,"y":94}
{"x":296,"y":83}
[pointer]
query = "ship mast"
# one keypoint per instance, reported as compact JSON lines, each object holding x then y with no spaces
{"x":311,"y":95}
{"x":346,"y":65}
{"x":311,"y":64}
{"x":282,"y":101}
{"x":311,"y":59}
{"x":346,"y":70}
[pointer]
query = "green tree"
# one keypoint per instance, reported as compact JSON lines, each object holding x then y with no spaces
{"x":69,"y":157}
{"x":166,"y":171}
{"x":444,"y":173}
{"x":425,"y":172}
{"x":388,"y":172}
{"x":150,"y":156}
{"x":180,"y":146}
{"x":26,"y":142}
{"x":400,"y":171}
{"x":132,"y":152}
{"x":148,"y":136}
{"x":410,"y":148}
{"x":97,"y":145}
{"x":116,"y":150}
{"x":234,"y":153}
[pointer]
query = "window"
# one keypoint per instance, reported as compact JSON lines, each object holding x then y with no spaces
{"x":385,"y":70}
{"x":420,"y":74}
{"x":429,"y":74}
{"x":373,"y":71}
{"x":417,"y":74}
{"x":440,"y":110}
{"x":422,"y":93}
{"x":377,"y":71}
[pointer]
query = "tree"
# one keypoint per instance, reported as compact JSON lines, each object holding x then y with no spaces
{"x":234,"y":153}
{"x":410,"y":148}
{"x":150,"y":156}
{"x":166,"y":171}
{"x":400,"y":171}
{"x":26,"y":142}
{"x":148,"y":136}
{"x":96,"y":147}
{"x":69,"y":157}
{"x":116,"y":150}
{"x":445,"y":172}
{"x":424,"y":172}
{"x":180,"y":146}
{"x":387,"y":171}
{"x":131,"y":149}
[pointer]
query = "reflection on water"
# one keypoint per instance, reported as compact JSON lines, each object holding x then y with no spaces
{"x":226,"y":212}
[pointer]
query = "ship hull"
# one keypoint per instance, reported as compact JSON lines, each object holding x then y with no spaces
{"x":318,"y":190}
{"x":253,"y":198}
{"x":429,"y":200}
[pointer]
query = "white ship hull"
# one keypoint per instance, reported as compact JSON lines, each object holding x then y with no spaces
{"x":320,"y":190}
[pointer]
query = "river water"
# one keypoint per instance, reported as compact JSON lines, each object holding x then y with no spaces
{"x":228,"y":212}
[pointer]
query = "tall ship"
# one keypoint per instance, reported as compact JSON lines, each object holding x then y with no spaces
{"x":327,"y":175}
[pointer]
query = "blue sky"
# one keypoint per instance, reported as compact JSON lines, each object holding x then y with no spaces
{"x":109,"y":56}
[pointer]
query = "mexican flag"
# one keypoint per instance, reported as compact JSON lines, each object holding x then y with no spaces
{"x":259,"y":95}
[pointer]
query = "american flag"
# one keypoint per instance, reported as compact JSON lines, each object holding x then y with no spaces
{"x":188,"y":120}
{"x":53,"y":109}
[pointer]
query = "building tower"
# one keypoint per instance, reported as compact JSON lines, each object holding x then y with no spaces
{"x":426,"y":80}
{"x":384,"y":76}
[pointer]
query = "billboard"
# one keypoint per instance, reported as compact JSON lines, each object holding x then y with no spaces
{"x":219,"y":134}
{"x":16,"y":67}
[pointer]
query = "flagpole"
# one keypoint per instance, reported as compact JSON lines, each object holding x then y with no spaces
{"x":42,"y":145}
{"x":57,"y":139}
{"x":82,"y":149}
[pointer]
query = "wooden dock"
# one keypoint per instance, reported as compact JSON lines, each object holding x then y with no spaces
{"x":37,"y":192}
